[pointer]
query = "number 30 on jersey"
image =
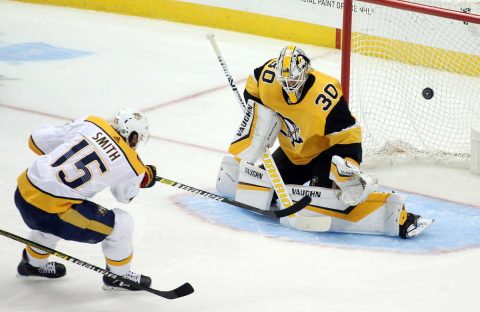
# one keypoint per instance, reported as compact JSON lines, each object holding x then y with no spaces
{"x":326,"y":98}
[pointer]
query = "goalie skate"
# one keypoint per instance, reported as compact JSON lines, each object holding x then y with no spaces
{"x":414,"y":225}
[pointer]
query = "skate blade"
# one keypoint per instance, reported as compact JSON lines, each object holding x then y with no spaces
{"x":421,"y":227}
{"x":112,"y":288}
{"x":36,"y":277}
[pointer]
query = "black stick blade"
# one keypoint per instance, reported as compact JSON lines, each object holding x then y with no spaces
{"x":302,"y":203}
{"x":181,"y":291}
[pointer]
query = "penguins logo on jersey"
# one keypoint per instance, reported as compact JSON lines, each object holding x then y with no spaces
{"x":293,"y":131}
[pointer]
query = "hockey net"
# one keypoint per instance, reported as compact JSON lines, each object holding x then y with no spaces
{"x":413,"y":80}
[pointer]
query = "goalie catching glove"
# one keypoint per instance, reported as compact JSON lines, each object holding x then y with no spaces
{"x":149,"y":178}
{"x":355,"y":185}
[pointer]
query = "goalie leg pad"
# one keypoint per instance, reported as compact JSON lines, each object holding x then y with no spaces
{"x":254,"y":187}
{"x":378,"y":214}
{"x":258,"y":130}
{"x":227,"y":177}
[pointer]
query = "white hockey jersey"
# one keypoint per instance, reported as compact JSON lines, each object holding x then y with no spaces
{"x":78,"y":160}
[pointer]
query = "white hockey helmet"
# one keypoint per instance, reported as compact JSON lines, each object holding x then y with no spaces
{"x":128,"y":121}
{"x":293,"y":68}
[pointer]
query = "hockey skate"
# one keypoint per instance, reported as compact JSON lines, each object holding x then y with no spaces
{"x":414,"y":225}
{"x":50,"y":270}
{"x":110,"y":283}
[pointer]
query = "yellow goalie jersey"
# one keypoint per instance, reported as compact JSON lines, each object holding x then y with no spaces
{"x":319,"y":119}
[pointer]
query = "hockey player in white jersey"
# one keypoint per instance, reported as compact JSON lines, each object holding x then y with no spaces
{"x":76,"y":161}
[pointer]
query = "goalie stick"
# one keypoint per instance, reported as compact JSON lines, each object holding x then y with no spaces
{"x":268,"y":162}
{"x":300,"y":222}
{"x":181,"y":291}
{"x":304,"y":201}
{"x":320,"y":223}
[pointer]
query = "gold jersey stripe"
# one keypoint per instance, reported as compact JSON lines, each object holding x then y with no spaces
{"x":34,"y":147}
{"x":130,"y":154}
{"x":242,"y":144}
{"x":41,"y":199}
{"x":32,"y":253}
{"x":251,"y":187}
{"x":76,"y":218}
{"x":373,"y":202}
{"x":347,"y":136}
{"x":252,"y":86}
{"x":120,"y":262}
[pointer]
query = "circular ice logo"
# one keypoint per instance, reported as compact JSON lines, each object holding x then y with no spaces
{"x":37,"y":51}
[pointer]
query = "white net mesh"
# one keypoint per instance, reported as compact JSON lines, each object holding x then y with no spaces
{"x":397,"y":58}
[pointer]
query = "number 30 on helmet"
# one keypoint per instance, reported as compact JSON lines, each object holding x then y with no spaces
{"x":132,"y":125}
{"x":293,"y":68}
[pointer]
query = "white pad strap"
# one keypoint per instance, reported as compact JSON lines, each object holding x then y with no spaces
{"x":308,"y":223}
{"x":227,"y":177}
{"x":355,"y":185}
{"x":258,"y":130}
{"x":254,"y":187}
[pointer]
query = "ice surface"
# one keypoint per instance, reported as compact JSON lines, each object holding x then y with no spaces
{"x":170,"y":71}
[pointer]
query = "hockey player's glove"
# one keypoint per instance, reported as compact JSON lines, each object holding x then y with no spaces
{"x":149,"y":178}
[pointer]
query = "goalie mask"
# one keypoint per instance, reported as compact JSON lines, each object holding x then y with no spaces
{"x":127,"y":122}
{"x":292,"y":71}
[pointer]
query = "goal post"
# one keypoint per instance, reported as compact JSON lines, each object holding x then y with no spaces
{"x":411,"y":75}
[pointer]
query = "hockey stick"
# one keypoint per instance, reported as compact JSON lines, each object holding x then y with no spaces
{"x":300,"y":222}
{"x":271,"y":168}
{"x":181,"y":291}
{"x":211,"y":37}
{"x":304,"y":201}
{"x":268,"y":161}
{"x":319,"y":223}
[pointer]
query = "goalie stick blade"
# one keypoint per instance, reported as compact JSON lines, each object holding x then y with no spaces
{"x":302,"y":203}
{"x":181,"y":291}
{"x":274,"y":214}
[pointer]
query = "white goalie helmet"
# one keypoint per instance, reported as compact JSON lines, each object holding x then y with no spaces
{"x":128,"y":121}
{"x":293,"y":68}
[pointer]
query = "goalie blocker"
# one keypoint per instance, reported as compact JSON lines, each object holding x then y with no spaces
{"x":377,"y":213}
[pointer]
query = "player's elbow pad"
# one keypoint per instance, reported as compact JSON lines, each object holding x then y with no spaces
{"x":257,"y":131}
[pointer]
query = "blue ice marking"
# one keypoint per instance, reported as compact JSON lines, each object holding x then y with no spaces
{"x":456,"y":226}
{"x":37,"y":51}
